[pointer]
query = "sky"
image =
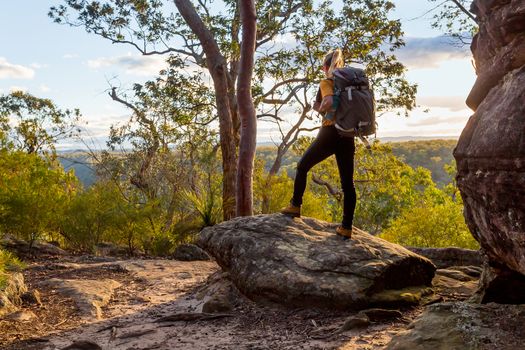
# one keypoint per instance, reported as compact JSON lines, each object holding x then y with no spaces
{"x":75,"y":69}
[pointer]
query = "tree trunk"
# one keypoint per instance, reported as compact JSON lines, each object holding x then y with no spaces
{"x":217,"y":66}
{"x":246,"y":109}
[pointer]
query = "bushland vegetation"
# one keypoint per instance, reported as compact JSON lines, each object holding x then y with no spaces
{"x":170,"y":169}
{"x":180,"y":193}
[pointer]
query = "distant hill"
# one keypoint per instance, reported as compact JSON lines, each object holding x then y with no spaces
{"x":387,"y":139}
{"x":431,"y":154}
{"x":416,"y":138}
{"x":81,"y":164}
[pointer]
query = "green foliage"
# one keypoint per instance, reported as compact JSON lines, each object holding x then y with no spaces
{"x":33,"y":124}
{"x":385,"y":185}
{"x":275,"y":189}
{"x":105,"y":214}
{"x":292,"y":39}
{"x":167,"y":185}
{"x":91,"y":215}
{"x":8,"y":263}
{"x":159,"y":198}
{"x":400,"y":202}
{"x":432,"y":222}
{"x":34,"y":192}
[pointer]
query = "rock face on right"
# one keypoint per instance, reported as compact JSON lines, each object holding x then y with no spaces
{"x":490,"y":153}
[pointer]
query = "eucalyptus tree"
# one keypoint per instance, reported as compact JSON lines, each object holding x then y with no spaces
{"x":244,"y":195}
{"x":292,"y":36}
{"x":34,"y":125}
{"x":209,"y":39}
{"x":160,"y":145}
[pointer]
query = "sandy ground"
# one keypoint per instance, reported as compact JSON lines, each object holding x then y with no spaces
{"x":152,"y":289}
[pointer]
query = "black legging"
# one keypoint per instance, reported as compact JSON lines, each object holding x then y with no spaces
{"x":329,"y":142}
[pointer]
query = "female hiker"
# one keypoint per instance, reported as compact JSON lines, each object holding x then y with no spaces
{"x":328,"y":142}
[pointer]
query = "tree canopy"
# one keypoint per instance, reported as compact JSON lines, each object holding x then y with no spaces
{"x":292,"y":38}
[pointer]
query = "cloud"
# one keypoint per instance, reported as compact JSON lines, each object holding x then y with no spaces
{"x":135,"y":65}
{"x":14,"y":71}
{"x":435,"y":120}
{"x":453,"y":103}
{"x":69,"y":56}
{"x":44,"y":88}
{"x":38,"y":65}
{"x":430,"y":52}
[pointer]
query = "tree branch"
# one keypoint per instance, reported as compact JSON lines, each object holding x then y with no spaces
{"x":336,"y":193}
{"x":464,"y":10}
{"x":270,"y":35}
{"x":284,"y":82}
{"x":282,"y":101}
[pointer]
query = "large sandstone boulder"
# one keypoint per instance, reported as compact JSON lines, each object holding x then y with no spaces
{"x":490,"y":153}
{"x":303,"y":263}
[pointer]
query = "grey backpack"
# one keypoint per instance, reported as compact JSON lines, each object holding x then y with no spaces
{"x":353,"y":103}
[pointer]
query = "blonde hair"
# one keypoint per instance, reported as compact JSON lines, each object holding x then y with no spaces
{"x":333,"y":59}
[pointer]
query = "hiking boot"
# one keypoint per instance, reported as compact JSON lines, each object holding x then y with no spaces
{"x":344,"y":232}
{"x":292,"y":210}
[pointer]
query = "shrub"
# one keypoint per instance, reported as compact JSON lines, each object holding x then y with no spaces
{"x":431,"y":224}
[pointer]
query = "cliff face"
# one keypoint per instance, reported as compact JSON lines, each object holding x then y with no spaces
{"x":490,"y":153}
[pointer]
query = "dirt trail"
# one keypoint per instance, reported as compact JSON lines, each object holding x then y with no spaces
{"x":152,"y":289}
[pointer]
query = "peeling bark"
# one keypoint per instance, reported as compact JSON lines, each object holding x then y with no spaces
{"x":246,"y":110}
{"x":217,"y":66}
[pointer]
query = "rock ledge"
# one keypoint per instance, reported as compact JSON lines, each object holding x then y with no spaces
{"x":302,"y":263}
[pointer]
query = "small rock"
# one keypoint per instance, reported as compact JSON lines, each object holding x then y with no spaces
{"x":111,"y":249}
{"x":89,"y":295}
{"x":83,"y":345}
{"x":21,"y":248}
{"x":31,"y":298}
{"x":184,"y":275}
{"x":219,"y":294}
{"x":6,"y":306}
{"x":377,"y":315}
{"x":11,"y":292}
{"x":216,"y":305}
{"x":353,"y":322}
{"x":189,"y":252}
